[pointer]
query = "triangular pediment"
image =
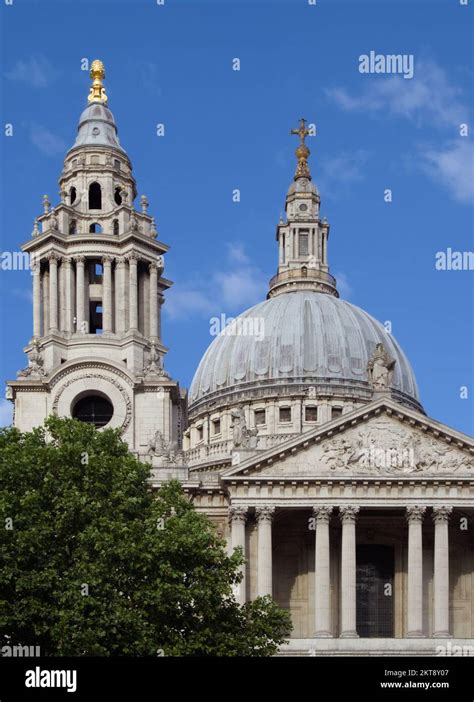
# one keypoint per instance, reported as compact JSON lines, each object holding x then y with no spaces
{"x":382,"y":439}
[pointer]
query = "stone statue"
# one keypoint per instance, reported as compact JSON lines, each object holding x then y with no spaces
{"x":167,"y":451}
{"x":241,"y":435}
{"x":53,"y":222}
{"x":155,"y":362}
{"x":157,"y":445}
{"x":380,"y":368}
{"x":133,"y":223}
{"x":35,"y":362}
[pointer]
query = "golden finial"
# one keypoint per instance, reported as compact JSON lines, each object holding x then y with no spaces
{"x":97,"y":91}
{"x":302,"y":152}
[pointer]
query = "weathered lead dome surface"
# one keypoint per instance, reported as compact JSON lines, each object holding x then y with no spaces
{"x":308,"y":337}
{"x":97,"y":127}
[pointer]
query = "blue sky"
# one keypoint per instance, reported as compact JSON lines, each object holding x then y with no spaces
{"x":228,"y":129}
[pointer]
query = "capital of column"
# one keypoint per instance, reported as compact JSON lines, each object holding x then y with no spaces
{"x":107,"y":260}
{"x":322,"y":513}
{"x":442,"y":513}
{"x":120,"y":261}
{"x":348,"y":514}
{"x":66,"y":260}
{"x":132,"y":258}
{"x":237,"y":513}
{"x":79,"y":259}
{"x":52,"y":257}
{"x":153,"y":268}
{"x":264,"y":513}
{"x":415,"y":513}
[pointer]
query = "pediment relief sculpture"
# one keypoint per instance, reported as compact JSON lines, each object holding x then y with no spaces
{"x":382,"y":447}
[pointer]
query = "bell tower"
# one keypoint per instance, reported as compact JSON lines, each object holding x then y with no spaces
{"x":302,"y":237}
{"x":97,"y":265}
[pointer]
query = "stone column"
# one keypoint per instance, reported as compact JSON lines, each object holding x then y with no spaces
{"x":53,"y":291}
{"x":264,"y":517}
{"x":153,"y":300}
{"x":237,"y":518}
{"x":61,"y":294}
{"x":133,"y":291}
{"x":66,"y":262}
{"x":107,"y":294}
{"x":322,"y":581}
{"x":120,"y":305}
{"x":46,"y":302}
{"x":441,"y":572}
{"x":36,"y":271}
{"x":80,"y":292}
{"x":348,"y":515}
{"x":415,"y":571}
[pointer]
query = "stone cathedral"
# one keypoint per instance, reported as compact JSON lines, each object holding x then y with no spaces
{"x":303,"y":436}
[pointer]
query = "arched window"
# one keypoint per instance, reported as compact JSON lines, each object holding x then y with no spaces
{"x":72,"y":195}
{"x":116,"y":227}
{"x":73,"y":227}
{"x":95,"y":228}
{"x":95,"y":196}
{"x":118,"y":196}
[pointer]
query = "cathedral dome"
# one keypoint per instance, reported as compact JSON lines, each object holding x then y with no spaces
{"x":300,"y":338}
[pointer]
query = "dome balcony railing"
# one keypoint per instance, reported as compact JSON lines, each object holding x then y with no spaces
{"x":303,"y":273}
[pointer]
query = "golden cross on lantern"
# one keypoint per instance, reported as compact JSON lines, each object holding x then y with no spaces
{"x":302,"y":152}
{"x":302,"y":131}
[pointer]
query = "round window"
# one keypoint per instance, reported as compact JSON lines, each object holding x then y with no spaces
{"x":303,"y":207}
{"x":93,"y":409}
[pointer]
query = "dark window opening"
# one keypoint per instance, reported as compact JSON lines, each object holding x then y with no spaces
{"x":374,"y":603}
{"x":260,"y":417}
{"x":95,"y":228}
{"x":311,"y":413}
{"x":116,"y":227}
{"x":117,"y":196}
{"x":95,"y":196}
{"x":216,"y":426}
{"x":303,"y":243}
{"x":95,"y":272}
{"x":93,"y":409}
{"x":336,"y":412}
{"x":72,"y":195}
{"x":117,"y":164}
{"x":285,"y":414}
{"x":200,"y":433}
{"x":95,"y":316}
{"x":73,"y":227}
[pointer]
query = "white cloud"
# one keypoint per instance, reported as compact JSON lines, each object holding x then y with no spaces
{"x":236,"y":252}
{"x":36,"y":71}
{"x":184,"y":301}
{"x":342,"y":170}
{"x":6,"y":413}
{"x":452,"y":167}
{"x":24,"y":293}
{"x":430,"y":96}
{"x":239,"y":285}
{"x":46,"y":141}
{"x":343,"y":285}
{"x":242,"y":287}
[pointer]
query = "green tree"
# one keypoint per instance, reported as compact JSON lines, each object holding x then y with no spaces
{"x":93,"y":563}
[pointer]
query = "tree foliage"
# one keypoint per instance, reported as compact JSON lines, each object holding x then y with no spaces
{"x":93,"y":563}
